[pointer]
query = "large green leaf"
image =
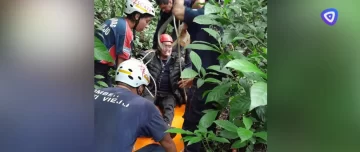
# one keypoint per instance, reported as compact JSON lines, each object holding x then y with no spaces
{"x":218,"y":69}
{"x":228,"y":36}
{"x":247,"y":122}
{"x":238,"y":106}
{"x":261,"y":113}
{"x":196,"y":60}
{"x":201,"y":47}
{"x":228,"y":134}
{"x":187,"y":138}
{"x":258,"y":93}
{"x":219,"y":139}
{"x":207,"y":20}
{"x":213,"y":33}
{"x":188,"y":73}
{"x":212,"y":80}
{"x":207,"y":43}
{"x":210,"y":9}
{"x":103,"y":84}
{"x":218,"y":92}
{"x":99,"y":77}
{"x":238,"y":144}
{"x":199,"y":82}
{"x":243,"y":65}
{"x":101,"y":52}
{"x":262,"y":135}
{"x":227,"y":125}
{"x":194,"y":140}
{"x":208,"y":119}
{"x":180,"y":131}
{"x":237,"y":54}
{"x":244,"y":134}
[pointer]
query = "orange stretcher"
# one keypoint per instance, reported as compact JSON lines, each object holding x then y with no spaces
{"x":177,"y":123}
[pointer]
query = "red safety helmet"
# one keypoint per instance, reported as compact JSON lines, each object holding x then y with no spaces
{"x":165,"y":38}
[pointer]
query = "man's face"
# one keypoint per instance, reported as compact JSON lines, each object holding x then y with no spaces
{"x":166,"y":7}
{"x":167,"y":49}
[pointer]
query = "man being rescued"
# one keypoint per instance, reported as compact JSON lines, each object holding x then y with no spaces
{"x":164,"y":66}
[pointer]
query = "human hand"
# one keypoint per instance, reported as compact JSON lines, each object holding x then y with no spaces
{"x":185,"y":83}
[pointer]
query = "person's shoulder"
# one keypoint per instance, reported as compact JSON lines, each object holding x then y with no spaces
{"x":144,"y":103}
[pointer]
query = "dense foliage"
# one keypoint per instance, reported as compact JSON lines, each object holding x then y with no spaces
{"x":242,"y":95}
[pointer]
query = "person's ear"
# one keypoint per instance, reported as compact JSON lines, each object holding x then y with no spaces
{"x":137,"y":16}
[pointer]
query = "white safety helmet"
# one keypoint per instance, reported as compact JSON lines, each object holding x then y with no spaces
{"x":141,"y":6}
{"x":133,"y":72}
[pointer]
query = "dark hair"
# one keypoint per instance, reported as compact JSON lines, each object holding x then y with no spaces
{"x":124,"y":84}
{"x":159,"y":2}
{"x":131,"y":16}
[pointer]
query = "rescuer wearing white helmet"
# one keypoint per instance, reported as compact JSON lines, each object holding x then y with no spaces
{"x":117,"y":35}
{"x":122,"y":115}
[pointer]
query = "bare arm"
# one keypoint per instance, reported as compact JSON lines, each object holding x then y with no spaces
{"x":120,"y":60}
{"x":168,"y":143}
{"x":196,"y":4}
{"x":179,"y":9}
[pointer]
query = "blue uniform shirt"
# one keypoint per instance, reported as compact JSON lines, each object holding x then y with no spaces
{"x":117,"y":36}
{"x":121,"y":117}
{"x":196,"y":33}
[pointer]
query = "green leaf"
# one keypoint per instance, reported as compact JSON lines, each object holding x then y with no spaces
{"x":97,"y":87}
{"x":196,"y":60}
{"x":187,"y":138}
{"x":212,"y":32}
{"x":250,"y":148}
{"x":188,"y":73}
{"x":258,"y":93}
{"x":194,"y":140}
{"x":245,"y":66}
{"x":238,"y":106}
{"x":211,"y":9}
{"x":99,"y":77}
{"x":103,"y":84}
{"x":252,"y":140}
{"x":219,"y":139}
{"x":238,"y":144}
{"x":237,"y":55}
{"x":227,"y":125}
{"x":262,"y":135}
{"x":228,"y":36}
{"x":244,"y":134}
{"x":253,"y":41}
{"x":101,"y":52}
{"x":213,"y":80}
{"x":247,"y":122}
{"x":226,"y":2}
{"x":207,"y":43}
{"x":207,"y":20}
{"x":228,"y":134}
{"x":179,"y":131}
{"x":201,"y":47}
{"x":261,"y":111}
{"x":200,"y":82}
{"x":207,"y":120}
{"x":203,"y":72}
{"x":218,"y":69}
{"x":218,"y":92}
{"x":205,"y":93}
